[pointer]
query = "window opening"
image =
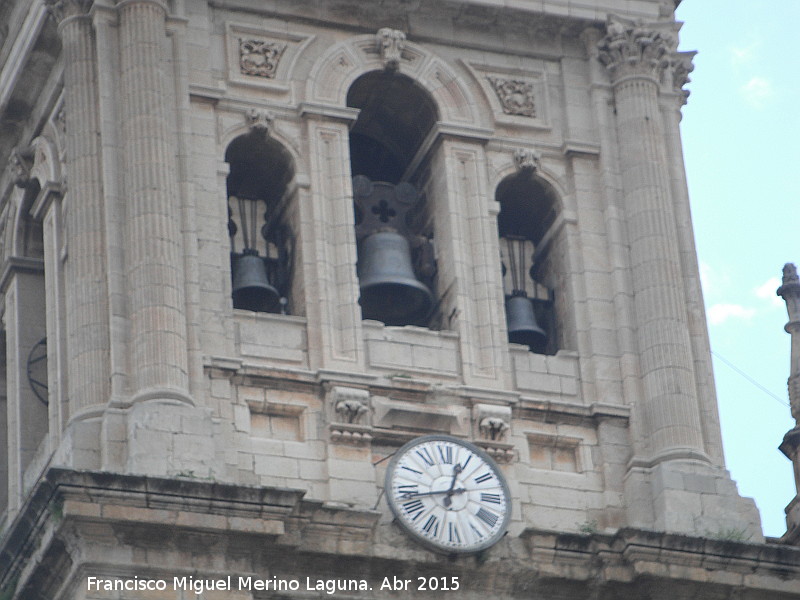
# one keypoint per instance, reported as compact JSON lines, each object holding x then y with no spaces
{"x":527,"y":212}
{"x":261,"y":239}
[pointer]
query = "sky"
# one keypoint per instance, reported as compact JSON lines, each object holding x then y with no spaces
{"x":741,"y":139}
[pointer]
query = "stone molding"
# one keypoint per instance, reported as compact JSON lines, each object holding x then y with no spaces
{"x":70,"y":511}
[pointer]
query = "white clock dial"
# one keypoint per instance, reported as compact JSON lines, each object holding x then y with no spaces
{"x":448,"y":494}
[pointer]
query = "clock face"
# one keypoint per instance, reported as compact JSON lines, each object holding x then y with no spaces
{"x":448,"y":494}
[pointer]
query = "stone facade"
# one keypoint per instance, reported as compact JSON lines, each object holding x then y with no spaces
{"x":155,"y":430}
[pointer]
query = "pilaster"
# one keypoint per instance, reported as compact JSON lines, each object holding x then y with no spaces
{"x":335,"y":337}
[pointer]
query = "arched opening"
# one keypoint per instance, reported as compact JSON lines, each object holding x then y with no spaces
{"x":258,"y":191}
{"x":394,"y":226}
{"x":528,"y":211}
{"x":25,"y":342}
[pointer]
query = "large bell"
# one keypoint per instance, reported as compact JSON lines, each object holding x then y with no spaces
{"x":251,"y":288}
{"x":389,"y":290}
{"x":522,"y":325}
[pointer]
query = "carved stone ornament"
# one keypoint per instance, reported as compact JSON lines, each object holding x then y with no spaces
{"x":634,"y":48}
{"x":516,"y":95}
{"x":350,"y":404}
{"x":390,"y":43}
{"x":260,"y":120}
{"x":259,"y":58}
{"x":63,"y":9}
{"x":21,"y":161}
{"x":493,"y":421}
{"x":527,"y":159}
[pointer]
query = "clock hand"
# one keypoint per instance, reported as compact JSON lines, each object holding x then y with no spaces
{"x":419,"y":494}
{"x":456,"y":471}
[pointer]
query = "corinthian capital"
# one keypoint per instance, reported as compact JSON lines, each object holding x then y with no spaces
{"x":64,"y":9}
{"x":631,"y":48}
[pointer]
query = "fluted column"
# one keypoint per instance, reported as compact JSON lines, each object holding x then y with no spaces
{"x":85,"y":269}
{"x":154,"y":261}
{"x":635,"y":57}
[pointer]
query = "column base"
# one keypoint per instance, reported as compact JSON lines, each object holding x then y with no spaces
{"x":692,"y":498}
{"x":160,"y":438}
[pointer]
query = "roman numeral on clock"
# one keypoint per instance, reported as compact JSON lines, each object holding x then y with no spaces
{"x":452,"y":534}
{"x":413,"y":508}
{"x":484,"y":477}
{"x":487,"y":517}
{"x":408,"y":490}
{"x":490,"y":498}
{"x":426,"y":456}
{"x":446,"y":454}
{"x":432,"y":524}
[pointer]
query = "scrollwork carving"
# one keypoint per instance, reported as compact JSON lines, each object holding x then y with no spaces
{"x":259,"y":58}
{"x":516,"y":95}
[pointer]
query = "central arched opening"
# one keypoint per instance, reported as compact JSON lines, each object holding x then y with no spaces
{"x":389,"y":143}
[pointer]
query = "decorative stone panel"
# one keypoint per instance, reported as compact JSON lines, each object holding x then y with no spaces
{"x":262,"y":58}
{"x":518,"y":97}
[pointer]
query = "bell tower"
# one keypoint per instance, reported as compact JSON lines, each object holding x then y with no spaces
{"x":307,"y":298}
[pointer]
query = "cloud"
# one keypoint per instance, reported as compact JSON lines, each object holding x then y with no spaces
{"x":766,"y":291}
{"x":719,"y":313}
{"x":744,"y":54}
{"x":757,"y":91}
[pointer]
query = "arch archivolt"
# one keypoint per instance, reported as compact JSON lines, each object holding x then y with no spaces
{"x":334,"y":73}
{"x":502,"y":165}
{"x":275,"y":132}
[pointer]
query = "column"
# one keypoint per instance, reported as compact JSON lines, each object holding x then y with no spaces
{"x":636,"y":57}
{"x":85,"y":268}
{"x":154,"y":265}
